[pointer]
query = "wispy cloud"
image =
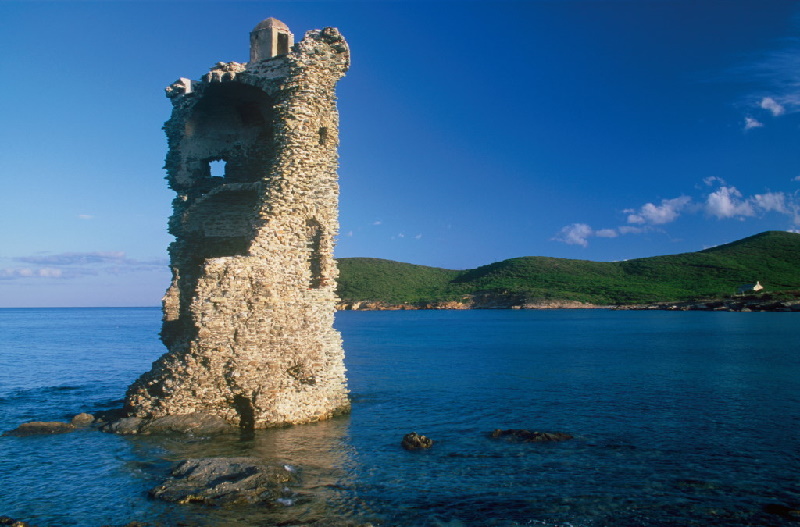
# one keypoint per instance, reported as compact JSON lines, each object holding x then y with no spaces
{"x":74,"y":258}
{"x":27,"y":272}
{"x":575,"y":234}
{"x":712,"y":180}
{"x":76,"y":264}
{"x":667,"y":212}
{"x":771,"y":202}
{"x":779,"y":71}
{"x":750,"y":123}
{"x":579,"y":233}
{"x":771,"y":105}
{"x":85,"y":217}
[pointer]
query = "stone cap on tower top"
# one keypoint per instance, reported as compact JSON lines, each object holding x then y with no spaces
{"x":271,"y":23}
{"x":270,"y":38}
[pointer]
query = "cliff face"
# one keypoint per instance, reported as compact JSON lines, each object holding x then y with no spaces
{"x":248,"y":317}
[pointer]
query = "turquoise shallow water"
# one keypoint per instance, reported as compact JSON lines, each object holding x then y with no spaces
{"x":679,"y":419}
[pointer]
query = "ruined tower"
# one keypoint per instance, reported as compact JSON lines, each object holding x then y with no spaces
{"x":248,"y":317}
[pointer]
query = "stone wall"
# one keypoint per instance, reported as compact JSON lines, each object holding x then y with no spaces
{"x":248,"y":317}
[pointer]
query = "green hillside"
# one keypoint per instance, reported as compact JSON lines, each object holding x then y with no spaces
{"x":772,"y":257}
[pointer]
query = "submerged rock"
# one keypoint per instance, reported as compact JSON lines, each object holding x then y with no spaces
{"x":124,"y":426}
{"x":5,"y":520}
{"x":40,"y":428}
{"x":526,"y":436}
{"x":414,"y":441}
{"x":192,"y":424}
{"x":226,"y":481}
{"x":82,"y":420}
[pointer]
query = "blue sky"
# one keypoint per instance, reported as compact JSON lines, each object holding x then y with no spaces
{"x":471,"y":132}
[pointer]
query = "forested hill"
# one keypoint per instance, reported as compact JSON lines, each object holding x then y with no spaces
{"x":772,"y":257}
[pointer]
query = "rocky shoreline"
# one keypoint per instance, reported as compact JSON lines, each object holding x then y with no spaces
{"x":763,"y":303}
{"x":737,"y":305}
{"x":487,"y":301}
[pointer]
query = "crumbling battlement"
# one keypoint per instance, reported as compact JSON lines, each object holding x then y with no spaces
{"x":248,"y":317}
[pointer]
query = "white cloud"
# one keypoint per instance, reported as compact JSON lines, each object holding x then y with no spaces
{"x":770,"y":104}
{"x":418,"y":236}
{"x":74,"y":265}
{"x":771,"y":201}
{"x":750,"y":123}
{"x":711,"y":180}
{"x":723,"y":202}
{"x":606,"y":233}
{"x":575,"y":234}
{"x":85,"y":217}
{"x":377,"y":222}
{"x":27,"y":272}
{"x":667,"y":212}
{"x":76,"y":258}
{"x":727,"y":203}
{"x":628,"y":229}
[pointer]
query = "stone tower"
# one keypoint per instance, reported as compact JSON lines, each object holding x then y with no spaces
{"x":248,"y":317}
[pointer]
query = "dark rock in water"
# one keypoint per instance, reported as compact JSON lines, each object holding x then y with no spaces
{"x":5,"y":520}
{"x":414,"y":441}
{"x":108,"y":416}
{"x":124,"y":426}
{"x":82,"y":420}
{"x":193,"y":424}
{"x":526,"y":436}
{"x":40,"y":428}
{"x":226,"y":481}
{"x":782,"y":510}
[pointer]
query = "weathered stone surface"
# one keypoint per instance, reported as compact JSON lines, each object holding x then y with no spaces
{"x":248,"y":318}
{"x":40,"y":428}
{"x":124,"y":426}
{"x":222,"y":481}
{"x":526,"y":436}
{"x":195,"y":424}
{"x":82,"y":420}
{"x":414,"y":441}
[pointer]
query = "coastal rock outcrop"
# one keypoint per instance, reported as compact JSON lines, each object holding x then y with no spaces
{"x":227,"y":481}
{"x":40,"y":428}
{"x":415,"y":441}
{"x":196,"y":424}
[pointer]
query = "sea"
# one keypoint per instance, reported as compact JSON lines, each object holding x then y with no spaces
{"x":678,"y":418}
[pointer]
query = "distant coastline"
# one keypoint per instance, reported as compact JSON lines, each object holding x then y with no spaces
{"x":702,"y":280}
{"x":786,"y":302}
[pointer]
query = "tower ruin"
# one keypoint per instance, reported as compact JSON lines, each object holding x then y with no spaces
{"x":248,"y":317}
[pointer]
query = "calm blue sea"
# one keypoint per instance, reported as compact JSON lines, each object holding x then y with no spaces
{"x":679,"y":418}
